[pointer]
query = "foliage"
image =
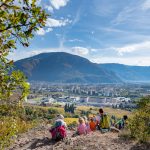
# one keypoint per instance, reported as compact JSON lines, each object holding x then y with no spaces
{"x":33,"y":112}
{"x":53,"y":111}
{"x":19,"y":20}
{"x":69,"y":108}
{"x":140,"y":123}
{"x":10,"y":126}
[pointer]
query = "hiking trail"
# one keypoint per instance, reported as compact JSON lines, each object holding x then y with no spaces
{"x":40,"y":139}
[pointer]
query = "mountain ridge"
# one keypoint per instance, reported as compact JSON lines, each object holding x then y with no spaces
{"x":61,"y":67}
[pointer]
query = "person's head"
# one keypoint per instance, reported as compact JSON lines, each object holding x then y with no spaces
{"x":85,"y":118}
{"x":101,"y":111}
{"x":91,"y":119}
{"x":125,"y":117}
{"x":81,"y":120}
{"x":60,"y":116}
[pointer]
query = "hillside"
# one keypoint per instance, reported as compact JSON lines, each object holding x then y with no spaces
{"x":95,"y":141}
{"x":129,"y":73}
{"x":60,"y":67}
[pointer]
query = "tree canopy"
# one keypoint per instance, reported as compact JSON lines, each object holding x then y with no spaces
{"x":19,"y":20}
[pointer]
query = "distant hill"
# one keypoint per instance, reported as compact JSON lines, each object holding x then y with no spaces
{"x":60,"y":67}
{"x":129,"y":73}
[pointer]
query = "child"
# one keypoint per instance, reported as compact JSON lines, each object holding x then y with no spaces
{"x":58,"y":131}
{"x":98,"y":118}
{"x":87,"y":124}
{"x":92,"y":124}
{"x":94,"y":118}
{"x":122,"y":122}
{"x":81,"y":127}
{"x":60,"y":121}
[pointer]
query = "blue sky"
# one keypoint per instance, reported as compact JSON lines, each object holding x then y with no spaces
{"x":104,"y":31}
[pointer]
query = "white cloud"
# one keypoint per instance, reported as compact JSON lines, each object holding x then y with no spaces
{"x":146,"y":5}
{"x":137,"y":61}
{"x":133,"y":47}
{"x":82,"y":51}
{"x":41,"y":31}
{"x":94,"y":50}
{"x":49,"y":29}
{"x":53,"y":23}
{"x":77,"y":17}
{"x":96,"y":58}
{"x":75,"y":40}
{"x":125,"y":15}
{"x":21,"y":54}
{"x":49,"y":8}
{"x":57,"y":23}
{"x":59,"y":3}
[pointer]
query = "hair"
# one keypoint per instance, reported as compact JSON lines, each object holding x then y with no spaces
{"x":60,"y":116}
{"x":85,"y":119}
{"x":125,"y":117}
{"x":81,"y":120}
{"x":101,"y":111}
{"x":92,"y":119}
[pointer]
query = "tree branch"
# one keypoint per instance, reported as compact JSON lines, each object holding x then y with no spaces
{"x":9,"y":27}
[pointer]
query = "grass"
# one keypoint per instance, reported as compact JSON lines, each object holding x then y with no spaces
{"x":70,"y":120}
{"x":117,"y":112}
{"x":94,"y":110}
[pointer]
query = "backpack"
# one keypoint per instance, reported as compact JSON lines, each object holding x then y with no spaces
{"x":58,"y":133}
{"x":105,"y":122}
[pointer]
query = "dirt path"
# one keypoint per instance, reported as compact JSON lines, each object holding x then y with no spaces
{"x":40,"y":139}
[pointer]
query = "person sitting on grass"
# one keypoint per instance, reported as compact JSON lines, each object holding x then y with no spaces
{"x":60,"y":121}
{"x":58,"y":131}
{"x":81,"y":129}
{"x":98,"y":118}
{"x":87,"y":124}
{"x":104,"y":124}
{"x":92,"y":124}
{"x":121,"y":123}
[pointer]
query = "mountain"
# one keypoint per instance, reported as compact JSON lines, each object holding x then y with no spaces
{"x":60,"y":67}
{"x":129,"y":73}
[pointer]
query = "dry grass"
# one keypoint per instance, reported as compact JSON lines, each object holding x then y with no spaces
{"x":117,"y":112}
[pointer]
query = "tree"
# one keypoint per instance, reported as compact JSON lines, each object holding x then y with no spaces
{"x":19,"y":20}
{"x":69,"y":108}
{"x":139,"y":125}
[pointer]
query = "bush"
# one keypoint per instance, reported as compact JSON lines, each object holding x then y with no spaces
{"x":76,"y":116}
{"x":68,"y":115}
{"x":139,"y":125}
{"x":10,"y":127}
{"x":52,"y":111}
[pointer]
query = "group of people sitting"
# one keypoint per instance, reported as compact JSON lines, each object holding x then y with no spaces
{"x":100,"y":122}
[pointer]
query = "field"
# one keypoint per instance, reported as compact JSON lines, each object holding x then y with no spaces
{"x":80,"y":111}
{"x":94,"y":110}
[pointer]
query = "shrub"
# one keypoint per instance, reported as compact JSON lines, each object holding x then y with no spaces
{"x":52,"y":111}
{"x":76,"y":116}
{"x":139,"y":125}
{"x":10,"y":127}
{"x":68,"y":115}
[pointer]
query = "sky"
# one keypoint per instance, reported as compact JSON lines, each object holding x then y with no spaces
{"x":103,"y":31}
